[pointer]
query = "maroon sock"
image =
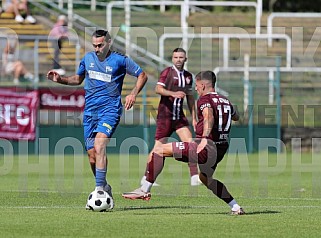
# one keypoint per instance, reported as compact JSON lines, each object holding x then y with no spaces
{"x":219,"y":189}
{"x":154,"y":167}
{"x":192,"y":169}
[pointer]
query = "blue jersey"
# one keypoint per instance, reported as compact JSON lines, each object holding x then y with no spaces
{"x":104,"y":81}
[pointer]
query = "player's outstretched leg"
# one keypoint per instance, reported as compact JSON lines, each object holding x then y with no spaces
{"x":154,"y":168}
{"x":220,"y":190}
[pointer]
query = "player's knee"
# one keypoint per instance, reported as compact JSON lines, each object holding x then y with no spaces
{"x":158,"y":150}
{"x":99,"y":150}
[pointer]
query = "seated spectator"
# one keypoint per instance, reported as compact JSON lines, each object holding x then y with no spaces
{"x":19,"y":8}
{"x":12,"y":66}
{"x":59,"y":33}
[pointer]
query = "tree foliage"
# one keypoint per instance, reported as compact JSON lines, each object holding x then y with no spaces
{"x":292,"y":6}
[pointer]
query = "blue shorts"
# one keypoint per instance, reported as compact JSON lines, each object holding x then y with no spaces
{"x":102,"y":123}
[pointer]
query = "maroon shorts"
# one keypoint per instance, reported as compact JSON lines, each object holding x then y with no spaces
{"x":207,"y":158}
{"x":166,"y":127}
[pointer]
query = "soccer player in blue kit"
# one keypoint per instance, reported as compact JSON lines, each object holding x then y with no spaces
{"x":103,"y":71}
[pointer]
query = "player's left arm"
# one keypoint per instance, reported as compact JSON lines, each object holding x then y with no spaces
{"x":235,"y":114}
{"x":131,"y":98}
{"x":208,"y":123}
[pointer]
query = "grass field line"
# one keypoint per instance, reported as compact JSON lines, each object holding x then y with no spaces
{"x":164,"y":195}
{"x":121,"y":208}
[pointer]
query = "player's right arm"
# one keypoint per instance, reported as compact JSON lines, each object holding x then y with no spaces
{"x":161,"y":90}
{"x":161,"y":87}
{"x":208,"y":123}
{"x":71,"y":80}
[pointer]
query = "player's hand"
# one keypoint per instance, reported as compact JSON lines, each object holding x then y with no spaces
{"x":178,"y":94}
{"x":53,"y":76}
{"x":201,"y":145}
{"x":130,"y":101}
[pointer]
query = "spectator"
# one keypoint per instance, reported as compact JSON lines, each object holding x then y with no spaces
{"x":12,"y":66}
{"x":18,"y":8}
{"x":60,"y":34}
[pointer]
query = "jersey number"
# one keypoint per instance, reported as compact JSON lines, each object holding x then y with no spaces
{"x":226,"y":110}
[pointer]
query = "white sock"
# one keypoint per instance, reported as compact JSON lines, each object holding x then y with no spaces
{"x":146,"y":186}
{"x":234,"y":206}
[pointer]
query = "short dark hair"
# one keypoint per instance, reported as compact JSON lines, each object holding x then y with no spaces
{"x":100,"y":33}
{"x":179,"y":50}
{"x":207,"y":75}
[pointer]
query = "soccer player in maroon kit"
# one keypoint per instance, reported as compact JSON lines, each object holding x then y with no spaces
{"x":215,"y":114}
{"x":174,"y":85}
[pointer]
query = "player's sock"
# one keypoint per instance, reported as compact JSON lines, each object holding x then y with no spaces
{"x":233,"y":205}
{"x":100,"y":177}
{"x":219,"y":189}
{"x":155,"y":167}
{"x":192,"y":169}
{"x":146,"y":186}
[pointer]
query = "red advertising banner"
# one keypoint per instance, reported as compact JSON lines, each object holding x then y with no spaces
{"x":18,"y":112}
{"x":62,"y":99}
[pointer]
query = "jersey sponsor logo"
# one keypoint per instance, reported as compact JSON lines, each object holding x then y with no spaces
{"x":205,"y":105}
{"x":99,"y":76}
{"x":223,"y":136}
{"x":109,"y":69}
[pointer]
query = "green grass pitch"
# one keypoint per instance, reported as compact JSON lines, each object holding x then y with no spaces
{"x":45,"y":197}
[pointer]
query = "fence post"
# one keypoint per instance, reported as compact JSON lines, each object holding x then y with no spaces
{"x":278,"y":101}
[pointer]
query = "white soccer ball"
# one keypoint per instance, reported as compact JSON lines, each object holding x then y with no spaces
{"x":100,"y":201}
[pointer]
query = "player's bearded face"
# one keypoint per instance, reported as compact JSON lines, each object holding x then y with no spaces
{"x":179,"y":59}
{"x":101,"y":46}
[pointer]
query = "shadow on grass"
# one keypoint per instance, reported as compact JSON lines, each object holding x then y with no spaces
{"x":141,"y":208}
{"x":255,"y":212}
{"x":151,"y":207}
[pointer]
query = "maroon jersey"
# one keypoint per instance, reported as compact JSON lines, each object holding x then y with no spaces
{"x":173,"y":80}
{"x":223,"y":111}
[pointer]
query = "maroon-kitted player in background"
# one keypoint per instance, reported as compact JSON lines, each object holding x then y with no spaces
{"x":215,"y":114}
{"x":174,"y":85}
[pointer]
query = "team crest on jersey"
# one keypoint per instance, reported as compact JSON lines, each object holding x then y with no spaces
{"x":92,"y":65}
{"x":188,"y":80}
{"x":109,"y":69}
